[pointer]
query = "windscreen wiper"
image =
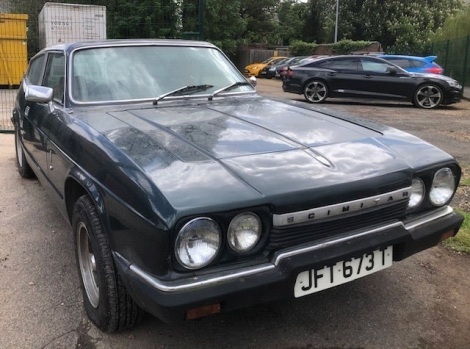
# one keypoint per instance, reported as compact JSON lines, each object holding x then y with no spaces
{"x":229,"y":87}
{"x":181,"y":91}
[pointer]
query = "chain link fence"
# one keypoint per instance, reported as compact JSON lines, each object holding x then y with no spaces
{"x":13,"y":62}
{"x":454,"y":56}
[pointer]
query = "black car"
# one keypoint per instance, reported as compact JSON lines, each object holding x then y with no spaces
{"x":273,"y":71}
{"x":269,"y":71}
{"x":188,"y":194}
{"x":369,"y":77}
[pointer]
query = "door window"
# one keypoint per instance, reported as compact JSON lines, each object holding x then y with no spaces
{"x":54,"y":75}
{"x":344,"y":64}
{"x":375,"y":66}
{"x":34,"y":73}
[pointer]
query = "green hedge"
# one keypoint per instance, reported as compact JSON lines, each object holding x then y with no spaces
{"x":345,"y":47}
{"x":301,"y":48}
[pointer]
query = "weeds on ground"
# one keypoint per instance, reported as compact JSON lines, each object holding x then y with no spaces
{"x":461,"y":241}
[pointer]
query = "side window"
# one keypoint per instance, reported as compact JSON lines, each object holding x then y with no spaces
{"x":345,"y":64}
{"x":373,"y":66}
{"x":324,"y":64}
{"x":54,"y":75}
{"x":417,"y":64}
{"x":34,"y":73}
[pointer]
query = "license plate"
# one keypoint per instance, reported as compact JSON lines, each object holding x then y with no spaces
{"x":315,"y":280}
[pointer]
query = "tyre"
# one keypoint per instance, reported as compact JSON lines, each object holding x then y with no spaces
{"x":105,"y":298}
{"x":24,"y":169}
{"x":428,"y":96}
{"x":315,"y":91}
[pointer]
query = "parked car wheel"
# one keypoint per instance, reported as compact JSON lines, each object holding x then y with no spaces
{"x":24,"y":169}
{"x":106,"y":301}
{"x":428,"y":96}
{"x":315,"y":91}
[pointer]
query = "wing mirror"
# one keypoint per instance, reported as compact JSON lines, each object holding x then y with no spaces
{"x":252,"y":81}
{"x":392,"y":71}
{"x":38,"y":94}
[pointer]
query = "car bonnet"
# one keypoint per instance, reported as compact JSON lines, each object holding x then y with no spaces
{"x":256,"y":150}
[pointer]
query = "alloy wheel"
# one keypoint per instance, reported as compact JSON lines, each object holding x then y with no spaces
{"x":315,"y":91}
{"x":428,"y":96}
{"x":87,"y":264}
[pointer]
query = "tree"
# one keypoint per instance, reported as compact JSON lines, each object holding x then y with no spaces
{"x":456,"y":26}
{"x":401,"y":27}
{"x":260,"y":20}
{"x":125,"y":18}
{"x":319,"y":21}
{"x":224,"y":25}
{"x":291,"y":16}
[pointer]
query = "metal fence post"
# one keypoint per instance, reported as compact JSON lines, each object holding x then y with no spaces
{"x":447,"y":55}
{"x":465,"y":61}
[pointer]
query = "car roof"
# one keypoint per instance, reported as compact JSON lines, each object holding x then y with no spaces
{"x":427,"y":58}
{"x":325,"y":58}
{"x":127,"y":42}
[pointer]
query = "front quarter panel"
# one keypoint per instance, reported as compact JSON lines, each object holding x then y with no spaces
{"x":132,"y":209}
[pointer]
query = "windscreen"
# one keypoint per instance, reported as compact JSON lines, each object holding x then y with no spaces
{"x":145,"y":72}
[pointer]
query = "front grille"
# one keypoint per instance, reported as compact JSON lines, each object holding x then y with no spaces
{"x":295,"y":235}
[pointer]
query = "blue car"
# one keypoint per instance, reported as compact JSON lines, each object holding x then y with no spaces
{"x":415,"y":64}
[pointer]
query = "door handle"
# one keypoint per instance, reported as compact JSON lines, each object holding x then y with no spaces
{"x":367,"y":76}
{"x":50,"y":160}
{"x":331,"y":74}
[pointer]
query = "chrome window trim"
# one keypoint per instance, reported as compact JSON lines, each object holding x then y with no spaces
{"x":150,"y":100}
{"x":211,"y":280}
{"x":161,"y":43}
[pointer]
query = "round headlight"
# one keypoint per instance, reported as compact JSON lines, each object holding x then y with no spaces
{"x":443,"y":187}
{"x":244,"y":232}
{"x":417,"y":193}
{"x":198,"y":243}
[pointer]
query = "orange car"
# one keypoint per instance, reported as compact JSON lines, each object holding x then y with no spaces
{"x":255,"y":68}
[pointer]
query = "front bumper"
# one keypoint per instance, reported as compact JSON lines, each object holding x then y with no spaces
{"x":454,"y":96}
{"x":249,"y":285}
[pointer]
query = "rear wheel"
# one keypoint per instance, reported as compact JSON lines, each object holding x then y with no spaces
{"x":105,"y":298}
{"x":315,"y":91}
{"x":24,"y":169}
{"x":428,"y":96}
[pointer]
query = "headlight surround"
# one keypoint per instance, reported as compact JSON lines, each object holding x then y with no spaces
{"x":454,"y":84}
{"x":244,"y":232}
{"x":443,"y":187}
{"x":198,"y":243}
{"x":418,"y":191}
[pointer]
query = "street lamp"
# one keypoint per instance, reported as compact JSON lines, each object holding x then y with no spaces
{"x":336,"y":24}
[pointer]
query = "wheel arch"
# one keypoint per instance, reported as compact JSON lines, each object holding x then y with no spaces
{"x":428,"y":82}
{"x":315,"y":78}
{"x":76,"y":185}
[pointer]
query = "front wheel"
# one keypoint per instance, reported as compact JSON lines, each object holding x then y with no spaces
{"x":428,"y":96}
{"x":315,"y":91}
{"x":105,"y":298}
